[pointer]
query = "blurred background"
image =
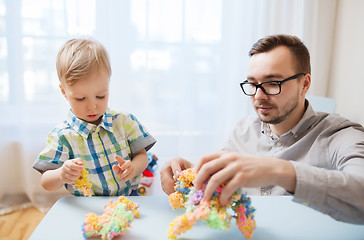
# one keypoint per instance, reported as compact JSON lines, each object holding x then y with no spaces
{"x":176,"y":64}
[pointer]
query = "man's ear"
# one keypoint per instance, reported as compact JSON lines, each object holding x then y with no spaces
{"x":306,"y":83}
{"x":63,"y":91}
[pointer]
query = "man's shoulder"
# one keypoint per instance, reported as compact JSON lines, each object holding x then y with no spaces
{"x":335,"y":120}
{"x":334,"y":123}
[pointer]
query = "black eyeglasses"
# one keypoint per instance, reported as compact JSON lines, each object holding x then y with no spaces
{"x":269,"y":87}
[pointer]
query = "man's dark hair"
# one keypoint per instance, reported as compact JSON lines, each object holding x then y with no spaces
{"x":298,"y":49}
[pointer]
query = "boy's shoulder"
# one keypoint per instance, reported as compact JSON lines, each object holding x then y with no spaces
{"x":121,"y":116}
{"x":63,"y":128}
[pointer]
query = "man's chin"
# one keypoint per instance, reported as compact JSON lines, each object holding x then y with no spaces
{"x":269,"y":120}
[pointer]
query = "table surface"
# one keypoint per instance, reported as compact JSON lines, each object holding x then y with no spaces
{"x":277,"y":217}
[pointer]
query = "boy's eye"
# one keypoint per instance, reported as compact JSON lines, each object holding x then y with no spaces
{"x":100,"y":97}
{"x":80,"y":99}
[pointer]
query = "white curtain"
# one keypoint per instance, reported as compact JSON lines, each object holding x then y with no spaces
{"x":176,"y":64}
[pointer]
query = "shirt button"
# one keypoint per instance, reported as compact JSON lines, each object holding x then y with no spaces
{"x":296,"y":136}
{"x":279,"y":144}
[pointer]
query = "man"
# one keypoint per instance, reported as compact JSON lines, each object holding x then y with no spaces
{"x":289,"y":149}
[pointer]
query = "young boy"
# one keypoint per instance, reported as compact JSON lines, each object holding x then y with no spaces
{"x":111,"y":146}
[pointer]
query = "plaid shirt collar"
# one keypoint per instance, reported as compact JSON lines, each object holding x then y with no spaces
{"x":84,"y":128}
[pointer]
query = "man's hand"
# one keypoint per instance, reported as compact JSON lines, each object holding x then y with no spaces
{"x":173,"y":167}
{"x":237,"y":170}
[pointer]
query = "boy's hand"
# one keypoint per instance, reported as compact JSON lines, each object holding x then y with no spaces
{"x":71,"y":170}
{"x":124,"y":169}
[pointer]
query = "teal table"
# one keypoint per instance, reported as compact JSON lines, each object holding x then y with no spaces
{"x":277,"y":217}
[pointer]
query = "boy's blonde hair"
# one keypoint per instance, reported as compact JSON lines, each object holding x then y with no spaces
{"x":79,"y":57}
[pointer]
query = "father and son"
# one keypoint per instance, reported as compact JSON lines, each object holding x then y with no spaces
{"x":287,"y":149}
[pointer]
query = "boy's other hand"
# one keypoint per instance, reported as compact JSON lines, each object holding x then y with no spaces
{"x":71,"y":170}
{"x":124,"y":169}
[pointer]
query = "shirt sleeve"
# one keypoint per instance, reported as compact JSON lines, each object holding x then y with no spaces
{"x":337,"y":191}
{"x":137,"y":135}
{"x":56,"y":152}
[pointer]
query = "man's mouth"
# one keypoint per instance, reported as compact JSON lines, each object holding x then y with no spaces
{"x":264,"y":108}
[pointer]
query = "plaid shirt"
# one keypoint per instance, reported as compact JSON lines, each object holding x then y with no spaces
{"x":117,"y":134}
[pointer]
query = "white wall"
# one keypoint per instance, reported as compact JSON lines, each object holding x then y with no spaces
{"x":346,"y":83}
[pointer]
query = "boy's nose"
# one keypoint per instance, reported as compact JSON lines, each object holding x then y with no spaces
{"x":91,"y":105}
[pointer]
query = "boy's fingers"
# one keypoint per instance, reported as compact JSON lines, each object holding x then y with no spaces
{"x":126,"y":172}
{"x":125,"y":165}
{"x":77,"y":168}
{"x":127,"y":175}
{"x":77,"y":165}
{"x":117,"y":169}
{"x":120,"y":160}
{"x":78,"y":161}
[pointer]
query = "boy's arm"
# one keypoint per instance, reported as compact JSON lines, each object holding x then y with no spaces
{"x":140,"y":161}
{"x":70,"y":171}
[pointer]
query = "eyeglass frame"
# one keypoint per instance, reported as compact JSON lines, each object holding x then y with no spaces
{"x":262,"y":88}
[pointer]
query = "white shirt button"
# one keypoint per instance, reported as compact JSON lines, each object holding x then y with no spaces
{"x":279,"y":144}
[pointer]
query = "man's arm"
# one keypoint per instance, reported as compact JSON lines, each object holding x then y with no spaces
{"x":338,"y":193}
{"x":237,"y":170}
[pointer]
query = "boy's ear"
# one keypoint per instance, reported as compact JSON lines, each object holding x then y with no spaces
{"x":62,"y":90}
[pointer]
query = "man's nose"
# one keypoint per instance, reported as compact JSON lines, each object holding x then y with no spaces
{"x":260,"y":94}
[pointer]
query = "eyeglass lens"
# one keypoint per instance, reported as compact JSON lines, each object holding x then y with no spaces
{"x":268,"y":87}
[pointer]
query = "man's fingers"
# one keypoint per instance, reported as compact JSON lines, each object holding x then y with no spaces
{"x":176,"y":166}
{"x":209,"y":168}
{"x":207,"y":158}
{"x":215,"y":181}
{"x":179,"y":164}
{"x":166,"y":176}
{"x":229,"y":178}
{"x":173,"y":167}
{"x":229,"y":189}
